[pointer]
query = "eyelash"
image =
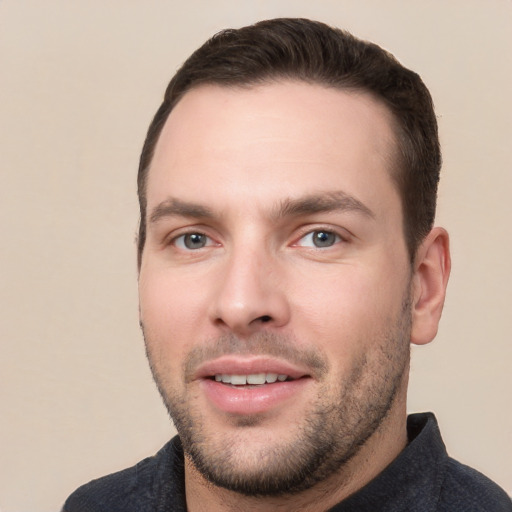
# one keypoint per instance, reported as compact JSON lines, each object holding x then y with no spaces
{"x":338,"y":237}
{"x":330,"y":238}
{"x":175,"y":240}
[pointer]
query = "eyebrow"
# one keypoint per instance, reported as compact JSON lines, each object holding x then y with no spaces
{"x":314,"y":203}
{"x":173,"y":207}
{"x":323,"y":202}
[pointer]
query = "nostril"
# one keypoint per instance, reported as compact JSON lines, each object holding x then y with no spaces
{"x":265,"y":318}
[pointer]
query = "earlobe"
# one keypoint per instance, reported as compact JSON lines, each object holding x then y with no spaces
{"x":431,"y":272}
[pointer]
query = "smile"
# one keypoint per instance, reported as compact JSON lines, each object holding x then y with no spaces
{"x":251,"y":379}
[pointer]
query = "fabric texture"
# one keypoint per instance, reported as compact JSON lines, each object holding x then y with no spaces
{"x":422,"y":478}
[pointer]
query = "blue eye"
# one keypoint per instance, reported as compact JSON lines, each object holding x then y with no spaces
{"x":319,"y":239}
{"x":192,"y":241}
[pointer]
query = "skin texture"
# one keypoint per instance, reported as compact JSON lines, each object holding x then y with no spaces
{"x":275,"y":241}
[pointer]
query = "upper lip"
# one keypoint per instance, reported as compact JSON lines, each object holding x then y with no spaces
{"x":248,"y":365}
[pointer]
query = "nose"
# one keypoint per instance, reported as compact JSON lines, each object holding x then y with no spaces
{"x":250,"y":294}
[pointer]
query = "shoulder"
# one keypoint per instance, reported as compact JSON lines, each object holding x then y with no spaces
{"x":449,"y":485}
{"x":465,"y":489}
{"x":139,"y":488}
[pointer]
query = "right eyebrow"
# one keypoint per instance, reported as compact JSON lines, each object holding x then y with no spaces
{"x":173,"y":207}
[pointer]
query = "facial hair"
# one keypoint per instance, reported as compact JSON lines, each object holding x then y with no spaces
{"x":332,"y":430}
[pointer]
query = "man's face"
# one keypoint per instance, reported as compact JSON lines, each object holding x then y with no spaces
{"x":275,"y":283}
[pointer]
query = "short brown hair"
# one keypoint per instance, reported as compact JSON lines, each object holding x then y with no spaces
{"x":313,"y":52}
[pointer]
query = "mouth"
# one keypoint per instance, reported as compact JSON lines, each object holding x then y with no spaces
{"x":254,"y":385}
{"x":249,"y":371}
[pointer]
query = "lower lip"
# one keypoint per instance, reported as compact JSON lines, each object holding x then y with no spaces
{"x":251,"y":400}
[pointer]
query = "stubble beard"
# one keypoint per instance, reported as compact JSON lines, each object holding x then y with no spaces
{"x":329,"y":435}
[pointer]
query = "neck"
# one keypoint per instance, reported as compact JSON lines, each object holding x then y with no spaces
{"x":375,"y":455}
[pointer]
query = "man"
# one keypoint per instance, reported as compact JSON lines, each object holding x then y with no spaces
{"x":287,"y":259}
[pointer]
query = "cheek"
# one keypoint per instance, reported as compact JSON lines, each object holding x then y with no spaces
{"x":349,"y":309}
{"x":170,"y":311}
{"x":165,"y":297}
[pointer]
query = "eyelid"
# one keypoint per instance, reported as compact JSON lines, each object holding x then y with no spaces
{"x":190,"y":230}
{"x":342,"y":234}
{"x":179,"y":242}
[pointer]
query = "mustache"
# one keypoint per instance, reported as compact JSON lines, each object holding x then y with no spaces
{"x":259,"y":344}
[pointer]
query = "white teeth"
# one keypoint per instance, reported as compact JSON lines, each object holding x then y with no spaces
{"x":253,"y":378}
{"x":238,"y":380}
{"x":257,"y":378}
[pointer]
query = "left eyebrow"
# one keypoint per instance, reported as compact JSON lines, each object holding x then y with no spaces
{"x":318,"y":203}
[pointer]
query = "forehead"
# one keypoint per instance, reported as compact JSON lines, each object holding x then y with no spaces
{"x":253,"y":139}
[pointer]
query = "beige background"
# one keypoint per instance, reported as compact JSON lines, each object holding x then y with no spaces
{"x":79,"y":82}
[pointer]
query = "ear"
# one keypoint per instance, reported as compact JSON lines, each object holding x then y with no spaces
{"x":431,"y":272}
